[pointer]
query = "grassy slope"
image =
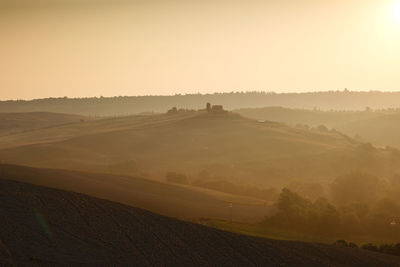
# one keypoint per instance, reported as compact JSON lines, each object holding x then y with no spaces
{"x":11,"y":123}
{"x":169,"y":199}
{"x":226,"y":145}
{"x":331,"y":119}
{"x":380,"y":127}
{"x":260,"y":230}
{"x":383,"y":130}
{"x":42,"y":226}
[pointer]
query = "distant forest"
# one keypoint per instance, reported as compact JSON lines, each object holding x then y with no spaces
{"x":126,"y":105}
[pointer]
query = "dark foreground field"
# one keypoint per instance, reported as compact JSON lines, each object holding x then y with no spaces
{"x":43,"y":226}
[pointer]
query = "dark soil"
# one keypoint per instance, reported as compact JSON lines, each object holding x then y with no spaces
{"x":43,"y":226}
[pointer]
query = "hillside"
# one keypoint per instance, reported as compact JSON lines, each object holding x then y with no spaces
{"x":47,"y":227}
{"x":200,"y":145}
{"x":310,"y":117}
{"x":383,"y":130}
{"x":378,"y":127}
{"x":11,"y":123}
{"x":184,"y":202}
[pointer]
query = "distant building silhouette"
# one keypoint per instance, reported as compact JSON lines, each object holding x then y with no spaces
{"x":214,"y":108}
{"x":217,"y":108}
{"x":209,"y":108}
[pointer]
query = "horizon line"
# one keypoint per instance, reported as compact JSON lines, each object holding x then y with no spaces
{"x":202,"y":94}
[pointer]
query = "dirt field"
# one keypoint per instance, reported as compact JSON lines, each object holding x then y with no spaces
{"x":46,"y":227}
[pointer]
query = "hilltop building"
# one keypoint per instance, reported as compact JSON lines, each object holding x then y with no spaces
{"x":214,"y":108}
{"x":217,"y":108}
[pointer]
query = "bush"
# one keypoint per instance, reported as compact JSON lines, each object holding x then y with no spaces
{"x":343,"y":243}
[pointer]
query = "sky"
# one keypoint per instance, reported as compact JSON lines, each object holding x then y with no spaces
{"x":84,"y":48}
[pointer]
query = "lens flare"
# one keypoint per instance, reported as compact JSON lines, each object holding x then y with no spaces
{"x":41,"y":220}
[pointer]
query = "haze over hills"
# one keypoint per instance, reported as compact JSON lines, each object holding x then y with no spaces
{"x":281,"y":178}
{"x":112,"y":106}
{"x":200,"y":145}
{"x":380,"y":127}
{"x":199,"y":133}
{"x":45,"y":227}
{"x":11,"y":123}
{"x":383,"y":130}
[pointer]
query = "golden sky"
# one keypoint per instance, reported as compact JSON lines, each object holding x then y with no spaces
{"x":76,"y":48}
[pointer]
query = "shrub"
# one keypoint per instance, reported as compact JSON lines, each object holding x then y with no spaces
{"x":343,"y":243}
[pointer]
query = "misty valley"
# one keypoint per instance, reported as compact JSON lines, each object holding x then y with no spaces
{"x":240,"y":171}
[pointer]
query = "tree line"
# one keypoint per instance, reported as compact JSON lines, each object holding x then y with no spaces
{"x":126,"y":105}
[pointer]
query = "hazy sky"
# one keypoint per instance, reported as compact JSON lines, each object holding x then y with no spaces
{"x":92,"y":48}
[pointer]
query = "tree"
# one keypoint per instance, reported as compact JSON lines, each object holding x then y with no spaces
{"x":299,"y":213}
{"x":294,"y":210}
{"x":291,"y":203}
{"x":328,"y":218}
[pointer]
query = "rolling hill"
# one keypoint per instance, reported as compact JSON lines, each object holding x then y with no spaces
{"x":185,"y":202}
{"x":46,"y":227}
{"x":313,"y":118}
{"x":383,"y":130}
{"x":11,"y":123}
{"x":379,"y":127}
{"x":194,"y":143}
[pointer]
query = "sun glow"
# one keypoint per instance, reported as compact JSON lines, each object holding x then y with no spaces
{"x":390,"y":19}
{"x":396,"y":11}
